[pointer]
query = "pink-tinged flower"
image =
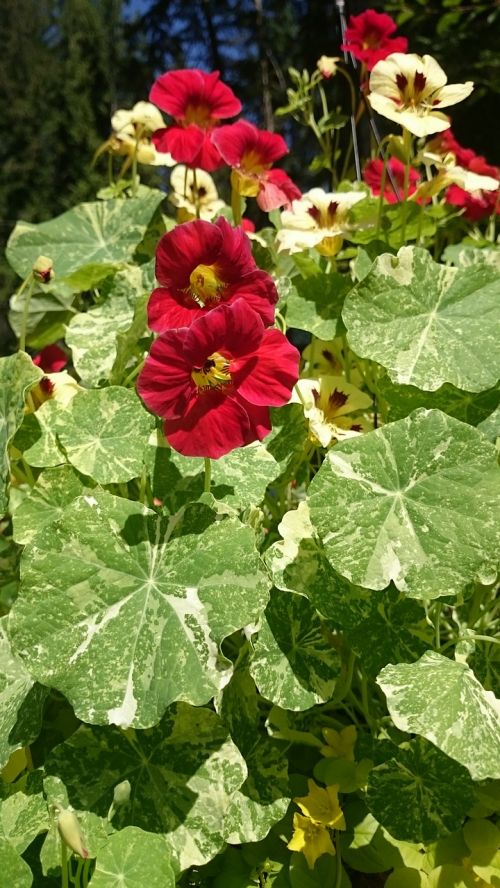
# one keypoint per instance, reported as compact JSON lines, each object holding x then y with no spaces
{"x":247,"y":225}
{"x":251,"y":152}
{"x":214,"y":382}
{"x":373,"y":172}
{"x":368,"y":37}
{"x":202,"y":264}
{"x":479,"y":203}
{"x":197,"y":101}
{"x":51,"y":359}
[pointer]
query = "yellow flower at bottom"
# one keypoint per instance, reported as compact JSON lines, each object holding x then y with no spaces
{"x":322,"y":805}
{"x":310,"y":838}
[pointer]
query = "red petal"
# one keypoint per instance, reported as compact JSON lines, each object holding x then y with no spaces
{"x":182,"y":249}
{"x":267,"y":376}
{"x":214,"y":425}
{"x":51,"y":359}
{"x":165,"y":312}
{"x":184,"y":143}
{"x":176,"y":90}
{"x":165,"y":383}
{"x":233,"y":330}
{"x":277,"y":190}
{"x":243,"y":138}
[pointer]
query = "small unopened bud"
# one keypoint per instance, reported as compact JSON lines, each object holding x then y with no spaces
{"x":121,"y":794}
{"x":43,"y":269}
{"x":327,"y":65}
{"x":70,"y":832}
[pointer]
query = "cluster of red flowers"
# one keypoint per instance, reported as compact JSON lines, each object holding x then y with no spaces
{"x":368,"y":37}
{"x":197,"y":102}
{"x":217,"y":365}
{"x":373,"y":175}
{"x":477,"y":204}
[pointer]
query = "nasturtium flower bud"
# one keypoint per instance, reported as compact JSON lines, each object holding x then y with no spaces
{"x":327,"y":66}
{"x":70,"y":832}
{"x":43,"y":269}
{"x":121,"y":793}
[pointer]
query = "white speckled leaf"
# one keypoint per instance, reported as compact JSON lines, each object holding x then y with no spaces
{"x":415,"y":502}
{"x":295,"y":664}
{"x":124,"y":619}
{"x":92,"y":336}
{"x":265,"y":795}
{"x":420,"y":794}
{"x":24,"y":814}
{"x":240,"y":477}
{"x":21,"y":701}
{"x":428,"y":323}
{"x":54,"y":490}
{"x":491,"y":425}
{"x":315,"y":303}
{"x":37,"y":437}
{"x":17,"y":373}
{"x":442,"y":700}
{"x":183,"y":774}
{"x":133,"y":858}
{"x":15,"y":870}
{"x":105,"y":434}
{"x":469,"y":407}
{"x":465,"y":255}
{"x":105,"y":231}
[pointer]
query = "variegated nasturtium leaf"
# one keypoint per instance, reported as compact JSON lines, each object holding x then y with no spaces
{"x":295,"y":664}
{"x":105,"y":434}
{"x":491,"y":425}
{"x":240,"y":477}
{"x":469,"y":407}
{"x":419,"y":795}
{"x":37,"y":437}
{"x":14,"y":870}
{"x":92,"y":336}
{"x":315,"y":304}
{"x":264,"y":797}
{"x":442,"y":700}
{"x":133,"y":858}
{"x":426,"y":323}
{"x":21,"y":701}
{"x":54,"y":490}
{"x":104,"y":231}
{"x":17,"y":374}
{"x":94,"y":829}
{"x":49,"y":310}
{"x":379,"y":627}
{"x":122,"y":618}
{"x":24,"y":814}
{"x":464,"y":255}
{"x":183,"y":774}
{"x":415,"y":502}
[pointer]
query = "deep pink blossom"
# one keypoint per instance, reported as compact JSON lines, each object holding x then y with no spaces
{"x":368,"y":37}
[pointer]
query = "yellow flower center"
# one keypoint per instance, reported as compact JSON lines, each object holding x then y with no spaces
{"x":251,"y":162}
{"x":205,"y":285}
{"x":199,"y":114}
{"x":215,"y":373}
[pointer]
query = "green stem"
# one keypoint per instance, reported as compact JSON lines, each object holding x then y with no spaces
{"x":138,"y":136}
{"x":64,"y":865}
{"x":208,"y":475}
{"x":338,"y":877}
{"x":380,"y":209}
{"x":406,"y":181}
{"x":437,"y":625}
{"x":86,"y":867}
{"x":236,"y":206}
{"x":77,"y":876}
{"x":133,"y":373}
{"x":24,"y":322}
{"x":347,"y":358}
{"x":196,"y":195}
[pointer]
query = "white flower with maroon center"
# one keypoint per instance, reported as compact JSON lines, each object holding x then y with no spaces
{"x":411,"y":89}
{"x":318,"y":220}
{"x":329,"y":403}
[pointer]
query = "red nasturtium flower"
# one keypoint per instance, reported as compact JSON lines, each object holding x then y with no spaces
{"x":372,"y":175}
{"x":202,"y":264}
{"x":197,"y":101}
{"x":251,"y":152}
{"x":478,"y":204}
{"x":51,"y":359}
{"x":368,"y":37}
{"x":213,"y":382}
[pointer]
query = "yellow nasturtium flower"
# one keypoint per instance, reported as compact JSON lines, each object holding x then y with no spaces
{"x":329,"y":403}
{"x":321,"y":804}
{"x":340,"y":744}
{"x":310,"y":838}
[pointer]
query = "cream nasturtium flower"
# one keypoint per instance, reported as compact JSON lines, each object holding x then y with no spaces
{"x":327,"y":403}
{"x":318,"y":220}
{"x":59,"y":387}
{"x":327,"y":65}
{"x":132,"y":131}
{"x":451,"y":174}
{"x":411,"y":89}
{"x":310,"y":838}
{"x":192,"y":188}
{"x":143,"y":115}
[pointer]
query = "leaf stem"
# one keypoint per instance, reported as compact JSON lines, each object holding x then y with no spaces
{"x":338,"y":877}
{"x":24,"y":322}
{"x":236,"y":205}
{"x":208,"y":474}
{"x":64,"y":865}
{"x":406,"y":181}
{"x":133,"y":373}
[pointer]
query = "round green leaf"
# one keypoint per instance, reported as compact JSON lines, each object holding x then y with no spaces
{"x":46,"y":501}
{"x":469,"y":407}
{"x":426,"y":323}
{"x":295,"y":664}
{"x":182,"y":773}
{"x":21,"y":701}
{"x":442,"y":700}
{"x":15,"y":871}
{"x":106,"y":433}
{"x":420,"y":794}
{"x":315,"y":303}
{"x":24,"y":814}
{"x":105,"y":231}
{"x":132,"y":859}
{"x":414,"y":502}
{"x":123,"y":619}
